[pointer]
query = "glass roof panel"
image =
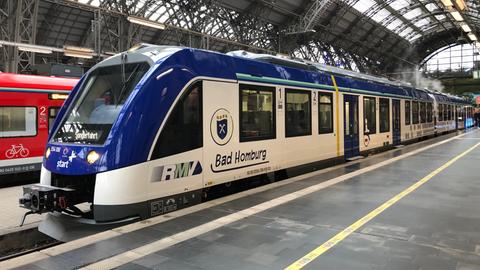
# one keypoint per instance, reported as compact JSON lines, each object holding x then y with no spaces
{"x":90,"y":2}
{"x":399,"y":4}
{"x":412,"y":13}
{"x":409,"y":19}
{"x":405,"y":32}
{"x":421,"y":22}
{"x":415,"y":37}
{"x":163,"y":18}
{"x":431,"y":6}
{"x":393,"y":25}
{"x":380,"y":15}
{"x":424,"y":29}
{"x":364,"y":5}
{"x":451,"y":59}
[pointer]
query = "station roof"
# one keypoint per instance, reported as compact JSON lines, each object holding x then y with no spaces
{"x":386,"y":34}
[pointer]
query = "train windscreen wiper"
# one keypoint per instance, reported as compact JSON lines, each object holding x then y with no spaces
{"x":125,"y":82}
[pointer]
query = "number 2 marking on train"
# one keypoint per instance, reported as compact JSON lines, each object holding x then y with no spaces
{"x":43,"y":111}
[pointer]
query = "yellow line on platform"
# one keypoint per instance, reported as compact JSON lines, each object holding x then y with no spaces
{"x":300,"y":263}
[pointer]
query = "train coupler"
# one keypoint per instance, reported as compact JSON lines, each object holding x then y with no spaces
{"x":42,"y":198}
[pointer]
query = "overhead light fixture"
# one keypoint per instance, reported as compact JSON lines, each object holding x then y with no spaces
{"x":465,"y":28}
{"x":79,"y":52}
{"x":78,"y":55}
{"x":460,"y":4}
{"x":472,"y":37}
{"x":146,"y":22}
{"x":35,"y":49}
{"x":78,"y":49}
{"x":447,"y":3}
{"x":456,"y":15}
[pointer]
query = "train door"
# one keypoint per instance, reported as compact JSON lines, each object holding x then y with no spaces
{"x":396,"y":121}
{"x":221,"y":131}
{"x":350,"y":127}
{"x":455,"y":115}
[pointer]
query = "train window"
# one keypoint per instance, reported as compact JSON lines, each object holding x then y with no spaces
{"x":408,"y":112}
{"x":183,"y":130}
{"x":423,"y":112}
{"x":52,"y":114}
{"x":325,"y":113}
{"x":257,"y":114}
{"x":429,"y":112}
{"x":440,"y":112}
{"x":450,"y":113}
{"x":369,"y":115}
{"x":98,"y":104}
{"x":415,"y":112}
{"x":18,"y":121}
{"x":298,"y":113}
{"x":384,"y":115}
{"x":445,"y":112}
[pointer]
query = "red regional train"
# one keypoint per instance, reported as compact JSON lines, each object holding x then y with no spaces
{"x":28,"y":107}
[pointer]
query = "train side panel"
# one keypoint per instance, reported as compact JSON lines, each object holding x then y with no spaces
{"x":25,"y":120}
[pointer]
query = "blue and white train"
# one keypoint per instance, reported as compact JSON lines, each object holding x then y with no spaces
{"x":145,"y":132}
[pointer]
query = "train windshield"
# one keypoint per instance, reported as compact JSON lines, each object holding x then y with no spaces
{"x":99,"y":102}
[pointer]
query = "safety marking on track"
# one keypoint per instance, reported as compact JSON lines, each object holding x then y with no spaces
{"x":82,"y":242}
{"x":300,"y":263}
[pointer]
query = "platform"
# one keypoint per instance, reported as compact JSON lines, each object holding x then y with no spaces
{"x":11,"y":214}
{"x":416,"y":207}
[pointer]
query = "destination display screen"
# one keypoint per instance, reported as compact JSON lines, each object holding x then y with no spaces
{"x":83,"y":133}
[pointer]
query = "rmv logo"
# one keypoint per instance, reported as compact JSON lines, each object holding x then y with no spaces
{"x":180,"y":170}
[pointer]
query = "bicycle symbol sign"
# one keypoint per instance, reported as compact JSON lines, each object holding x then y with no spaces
{"x":17,"y":151}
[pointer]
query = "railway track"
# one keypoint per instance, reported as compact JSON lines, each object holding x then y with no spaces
{"x":24,"y":241}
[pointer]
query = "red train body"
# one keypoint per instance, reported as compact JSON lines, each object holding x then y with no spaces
{"x":28,"y":106}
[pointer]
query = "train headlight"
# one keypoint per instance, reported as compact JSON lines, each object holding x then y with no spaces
{"x":47,"y":153}
{"x":92,"y":157}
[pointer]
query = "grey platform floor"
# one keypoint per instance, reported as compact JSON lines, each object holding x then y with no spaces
{"x":436,"y":227}
{"x":10,"y":212}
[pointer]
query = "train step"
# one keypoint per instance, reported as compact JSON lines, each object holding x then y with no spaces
{"x":355,"y":158}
